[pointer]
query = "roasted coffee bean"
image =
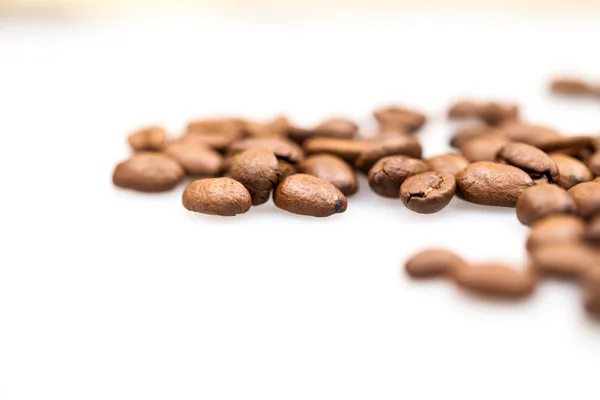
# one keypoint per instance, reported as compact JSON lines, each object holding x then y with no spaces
{"x":428,"y":192}
{"x":554,"y":230}
{"x":466,"y":133}
{"x":217,"y":126}
{"x":572,"y":145}
{"x":274,"y":129}
{"x":196,"y":159}
{"x":217,"y":196}
{"x":495,"y":113}
{"x":407,"y":145}
{"x":530,"y":159}
{"x":308,"y":195}
{"x":432,"y":262}
{"x":570,"y":171}
{"x":283,"y":149}
{"x":565,"y":259}
{"x":463,"y":109}
{"x":152,"y":138}
{"x":495,"y":279}
{"x":573,"y":87}
{"x":587,"y":198}
{"x":594,"y":164}
{"x":332,"y":128}
{"x":258,"y":170}
{"x":148,"y":172}
{"x":483,"y":147}
{"x":286,"y":169}
{"x":216,"y":141}
{"x":541,"y":201}
{"x":593,"y":230}
{"x":346,"y":149}
{"x":492,"y":184}
{"x":400,"y":117}
{"x":332,"y":169}
{"x":449,"y":163}
{"x":386,"y":176}
{"x":533,"y":134}
{"x":591,"y":291}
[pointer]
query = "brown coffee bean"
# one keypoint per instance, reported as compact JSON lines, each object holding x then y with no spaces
{"x":428,"y":192}
{"x":587,"y":198}
{"x":258,"y":170}
{"x":483,"y":147}
{"x":347,"y":149}
{"x":570,"y":171}
{"x":308,"y":195}
{"x":407,"y":145}
{"x":432,"y":262}
{"x":466,"y":133}
{"x":334,"y":128}
{"x":572,"y":87}
{"x":274,"y":129}
{"x":286,"y":169}
{"x":449,"y":163}
{"x":492,"y":184}
{"x":400,"y":117}
{"x":217,"y":196}
{"x":594,"y":164}
{"x":541,"y":201}
{"x":591,"y":291}
{"x":518,"y":131}
{"x":495,"y":279}
{"x":495,"y":113}
{"x":554,"y":230}
{"x":332,"y":169}
{"x":148,"y":172}
{"x":570,"y":144}
{"x":152,"y":138}
{"x":530,"y":159}
{"x":216,"y":141}
{"x":568,"y":259}
{"x":217,"y":126}
{"x":283,"y":149}
{"x":386,"y":176}
{"x":597,"y":180}
{"x":463,"y":109}
{"x":593,"y":230}
{"x":196,"y":159}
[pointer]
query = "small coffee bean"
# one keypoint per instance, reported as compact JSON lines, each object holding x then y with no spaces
{"x":492,"y":184}
{"x":386,"y":176}
{"x":572,"y":87}
{"x":428,"y":192}
{"x":518,"y":131}
{"x":541,"y":201}
{"x":432,"y":262}
{"x":276,"y":128}
{"x":495,"y":113}
{"x":196,"y":159}
{"x":332,"y":128}
{"x":216,"y":141}
{"x":258,"y":170}
{"x":530,"y":159}
{"x":593,"y":231}
{"x":555,"y":229}
{"x":308,"y":195}
{"x":400,"y":117}
{"x":283,"y":149}
{"x":570,"y":171}
{"x":217,"y":196}
{"x":466,"y":133}
{"x":463,"y":109}
{"x":152,"y":138}
{"x":217,"y":126}
{"x":587,"y":198}
{"x":332,"y":169}
{"x":483,"y":147}
{"x":407,"y":145}
{"x":148,"y":172}
{"x":591,"y":291}
{"x":570,"y":144}
{"x":594,"y":164}
{"x":449,"y":163}
{"x":347,"y":149}
{"x":568,"y":259}
{"x":495,"y":279}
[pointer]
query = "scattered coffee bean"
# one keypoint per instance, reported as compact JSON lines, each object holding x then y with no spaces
{"x":564,"y":259}
{"x":587,"y":198}
{"x":432,"y":262}
{"x":347,"y":149}
{"x":495,"y":113}
{"x":466,"y":133}
{"x":594,"y":164}
{"x":530,"y":159}
{"x":556,"y":229}
{"x":492,"y":184}
{"x":570,"y":145}
{"x":258,"y":170}
{"x":593,"y":230}
{"x":283,"y":149}
{"x":386,"y":176}
{"x":495,"y":279}
{"x":332,"y":169}
{"x":540,"y":201}
{"x":591,"y":291}
{"x":483,"y":147}
{"x":196,"y":159}
{"x":334,"y":128}
{"x":407,"y":145}
{"x":308,"y":195}
{"x":463,"y":109}
{"x":148,"y":172}
{"x":152,"y":138}
{"x":428,"y":192}
{"x":570,"y":171}
{"x":449,"y":163}
{"x":217,"y":126}
{"x":533,"y":134}
{"x":276,"y":128}
{"x":400,"y":117}
{"x":216,"y":141}
{"x":217,"y":196}
{"x":286,"y":169}
{"x":573,"y":87}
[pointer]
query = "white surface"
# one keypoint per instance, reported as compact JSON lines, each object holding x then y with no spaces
{"x":109,"y":294}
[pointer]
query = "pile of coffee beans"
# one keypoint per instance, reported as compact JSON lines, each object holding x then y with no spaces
{"x":551,"y":179}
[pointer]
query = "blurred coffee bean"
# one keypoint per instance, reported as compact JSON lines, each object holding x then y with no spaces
{"x":591,"y":291}
{"x":495,"y":279}
{"x":407,"y":145}
{"x":283,"y":149}
{"x":400,"y":117}
{"x":432,"y":262}
{"x":556,"y":229}
{"x":148,"y":172}
{"x":593,"y":230}
{"x":573,"y":87}
{"x":594,"y":164}
{"x":449,"y":163}
{"x":462,"y":109}
{"x":332,"y":169}
{"x":152,"y":138}
{"x":483,"y":147}
{"x":468,"y":132}
{"x":570,"y":171}
{"x":568,"y":259}
{"x":587,"y":198}
{"x":196,"y":159}
{"x":518,"y":131}
{"x":346,"y":149}
{"x":541,"y":201}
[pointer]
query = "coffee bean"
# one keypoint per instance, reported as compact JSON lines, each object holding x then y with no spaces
{"x":386,"y":176}
{"x":335,"y":128}
{"x":518,"y":131}
{"x":530,"y":159}
{"x":258,"y":170}
{"x":400,"y":117}
{"x":483,"y":147}
{"x":151,"y":138}
{"x":495,"y":113}
{"x":463,"y":109}
{"x":286,"y":169}
{"x":495,"y":279}
{"x":283,"y":149}
{"x":541,"y":201}
{"x":332,"y":169}
{"x":276,"y":128}
{"x":407,"y":145}
{"x":148,"y":172}
{"x":591,"y":291}
{"x":556,"y":229}
{"x":308,"y":195}
{"x":196,"y":159}
{"x":570,"y":144}
{"x":449,"y":163}
{"x":428,"y":192}
{"x":593,"y":230}
{"x":217,"y":126}
{"x":594,"y":164}
{"x":572,"y":87}
{"x":587,"y":198}
{"x":492,"y":184}
{"x":432,"y":262}
{"x":568,"y":259}
{"x":217,"y":196}
{"x":466,"y":133}
{"x":346,"y":149}
{"x":216,"y":141}
{"x":570,"y":171}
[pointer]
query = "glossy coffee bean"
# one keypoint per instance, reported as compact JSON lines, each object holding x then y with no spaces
{"x":400,"y":117}
{"x":594,"y":164}
{"x":568,"y":259}
{"x":530,"y":159}
{"x":449,"y":163}
{"x":587,"y":198}
{"x":495,"y":279}
{"x":217,"y":196}
{"x":428,"y":192}
{"x":332,"y":169}
{"x":492,"y":184}
{"x":407,"y":145}
{"x":148,"y":172}
{"x":591,"y":291}
{"x":152,"y":138}
{"x":258,"y":170}
{"x":196,"y":159}
{"x":541,"y":201}
{"x":347,"y":149}
{"x":518,"y":131}
{"x":556,"y":229}
{"x":572,"y":87}
{"x":386,"y":176}
{"x":593,"y":231}
{"x":283,"y":149}
{"x":432,"y":262}
{"x":570,"y":171}
{"x":483,"y":147}
{"x":468,"y":132}
{"x":308,"y":195}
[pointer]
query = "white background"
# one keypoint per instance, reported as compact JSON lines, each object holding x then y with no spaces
{"x":110,"y":294}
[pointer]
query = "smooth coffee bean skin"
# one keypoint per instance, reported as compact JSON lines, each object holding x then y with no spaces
{"x":217,"y":196}
{"x":432,"y":262}
{"x":219,"y":142}
{"x":196,"y":159}
{"x":258,"y":170}
{"x":308,"y":195}
{"x":428,"y":192}
{"x":227,"y":126}
{"x":594,"y":164}
{"x":593,"y":231}
{"x":495,"y":113}
{"x":495,"y":279}
{"x":556,"y":229}
{"x":541,"y":201}
{"x":400,"y":117}
{"x":276,"y":128}
{"x":570,"y":171}
{"x":530,"y":159}
{"x":468,"y":132}
{"x":347,"y":149}
{"x":591,"y":291}
{"x":449,"y":163}
{"x":463,"y":109}
{"x":573,"y":144}
{"x":148,"y":172}
{"x":340,"y":128}
{"x":483,"y":147}
{"x":572,"y":87}
{"x":532,"y":134}
{"x":283,"y":149}
{"x":492,"y":184}
{"x":564,"y":259}
{"x":386,"y":176}
{"x":152,"y":138}
{"x":587,"y":198}
{"x":407,"y":145}
{"x":332,"y":169}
